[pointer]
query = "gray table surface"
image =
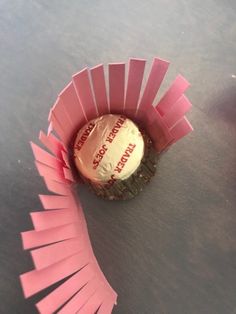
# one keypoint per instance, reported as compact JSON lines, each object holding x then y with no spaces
{"x":173,"y":249}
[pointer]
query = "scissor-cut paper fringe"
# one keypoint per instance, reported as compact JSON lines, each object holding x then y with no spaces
{"x":116,"y":87}
{"x":65,"y":159}
{"x":53,"y":218}
{"x":80,"y":299}
{"x":50,"y":173}
{"x":99,"y":88}
{"x":156,"y":76}
{"x":155,"y":125}
{"x":55,"y":201}
{"x":57,"y":187}
{"x":176,"y":90}
{"x":135,"y":78}
{"x":59,"y":130}
{"x":45,"y":158}
{"x":65,"y":291}
{"x":181,"y":129}
{"x":37,"y":280}
{"x":32,"y":239}
{"x":60,"y":112}
{"x":74,"y":110}
{"x":107,"y":305}
{"x":94,"y":302}
{"x":177,"y":111}
{"x":51,"y":254}
{"x":76,"y":103}
{"x":83,"y":89}
{"x":68,"y":174}
{"x":52,"y":144}
{"x":60,"y":241}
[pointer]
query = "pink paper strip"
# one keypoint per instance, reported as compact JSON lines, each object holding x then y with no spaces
{"x":44,"y":157}
{"x":52,"y":143}
{"x":157,"y":130}
{"x":56,"y":187}
{"x":156,"y":76}
{"x":50,"y":173}
{"x":56,"y":126}
{"x":53,"y":218}
{"x":50,"y":113}
{"x":135,"y":78}
{"x":54,"y":253}
{"x":107,"y":305}
{"x":61,"y":114}
{"x":99,"y":88}
{"x":50,"y":128}
{"x":68,"y":174}
{"x":75,"y":304}
{"x":84,"y":92}
{"x":116,"y":87}
{"x":177,"y":111}
{"x":65,"y":159}
{"x":73,"y":106}
{"x":65,"y":291}
{"x":94,"y":302}
{"x":181,"y":129}
{"x":33,"y":239}
{"x":175,"y":91}
{"x":54,"y":201}
{"x":37,"y":280}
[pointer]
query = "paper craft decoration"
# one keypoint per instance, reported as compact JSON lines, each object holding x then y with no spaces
{"x":59,"y":243}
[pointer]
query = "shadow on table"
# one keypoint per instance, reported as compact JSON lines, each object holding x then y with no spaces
{"x":224,"y":106}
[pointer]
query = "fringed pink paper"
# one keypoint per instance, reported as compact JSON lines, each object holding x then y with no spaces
{"x":99,"y":88}
{"x":83,"y":89}
{"x":135,"y":78}
{"x":116,"y":87}
{"x":60,"y":241}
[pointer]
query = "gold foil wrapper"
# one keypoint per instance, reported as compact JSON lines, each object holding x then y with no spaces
{"x":108,"y":149}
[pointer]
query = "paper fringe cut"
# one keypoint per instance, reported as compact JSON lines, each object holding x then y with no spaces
{"x":60,"y":241}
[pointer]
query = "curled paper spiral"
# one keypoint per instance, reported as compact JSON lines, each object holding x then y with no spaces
{"x":60,"y":240}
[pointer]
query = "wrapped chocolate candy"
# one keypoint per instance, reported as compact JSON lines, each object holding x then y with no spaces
{"x":114,"y":157}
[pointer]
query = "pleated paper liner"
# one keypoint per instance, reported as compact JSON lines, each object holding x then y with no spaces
{"x":59,"y":243}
